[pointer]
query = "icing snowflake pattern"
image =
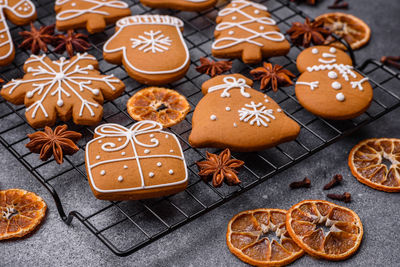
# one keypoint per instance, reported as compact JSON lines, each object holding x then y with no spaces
{"x":152,"y":41}
{"x":256,"y":114}
{"x":76,"y":78}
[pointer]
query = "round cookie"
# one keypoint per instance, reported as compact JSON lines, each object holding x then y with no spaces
{"x":151,"y":47}
{"x":329,"y":86}
{"x":185,"y":5}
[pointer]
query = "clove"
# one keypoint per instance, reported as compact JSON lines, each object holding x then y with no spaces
{"x":299,"y":184}
{"x":391,"y":61}
{"x":337,"y":179}
{"x":338,"y":5}
{"x":345,"y":197}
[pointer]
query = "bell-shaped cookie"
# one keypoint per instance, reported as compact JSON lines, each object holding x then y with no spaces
{"x":234,"y":115}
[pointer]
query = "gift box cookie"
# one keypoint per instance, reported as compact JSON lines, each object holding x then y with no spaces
{"x":135,"y":163}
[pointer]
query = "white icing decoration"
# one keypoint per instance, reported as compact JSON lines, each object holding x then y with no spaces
{"x":336,"y":85}
{"x":327,"y":61}
{"x":151,"y":136}
{"x":314,"y":51}
{"x":151,"y":174}
{"x":103,"y":172}
{"x":227,"y":108}
{"x":146,"y":151}
{"x":171,"y":172}
{"x":97,"y":157}
{"x":261,"y":28}
{"x":125,"y":166}
{"x":147,"y":20}
{"x":235,"y":125}
{"x":234,"y":18}
{"x":344,"y":70}
{"x":159,"y":164}
{"x":257,"y":11}
{"x":231,"y":32}
{"x":152,"y":41}
{"x":119,"y":139}
{"x":312,"y":85}
{"x":130,"y":136}
{"x":171,"y":151}
{"x":120,"y":178}
{"x":48,"y":81}
{"x":123,"y":153}
{"x":94,"y":9}
{"x":279,"y":110}
{"x":256,"y":114}
{"x":230,"y":82}
{"x":332,"y":75}
{"x":167,"y":136}
{"x":60,"y":102}
{"x":213,"y":117}
{"x":274,"y":36}
{"x":340,"y":97}
{"x":332,"y":50}
{"x":358,"y":84}
{"x":100,"y":141}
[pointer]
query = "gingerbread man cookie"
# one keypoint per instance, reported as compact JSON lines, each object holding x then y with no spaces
{"x":135,"y":163}
{"x":151,"y":47}
{"x":329,"y":86}
{"x":19,"y":12}
{"x":186,"y":5}
{"x":64,"y":89}
{"x":234,"y":115}
{"x":246,"y":30}
{"x":94,"y":15}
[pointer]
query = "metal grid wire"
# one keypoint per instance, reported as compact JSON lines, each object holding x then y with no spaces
{"x":127,"y":226}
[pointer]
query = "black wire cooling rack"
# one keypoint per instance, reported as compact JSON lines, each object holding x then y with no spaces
{"x":124,"y":227}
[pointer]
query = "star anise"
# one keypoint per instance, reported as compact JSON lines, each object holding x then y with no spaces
{"x":213,"y":68}
{"x":37,"y":40}
{"x":221,"y":168}
{"x":303,"y":34}
{"x":71,"y":42}
{"x":274,"y":75}
{"x":58,"y":143}
{"x":309,"y":2}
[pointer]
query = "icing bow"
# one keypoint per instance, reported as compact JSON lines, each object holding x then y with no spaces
{"x":230,"y":83}
{"x":129,"y":134}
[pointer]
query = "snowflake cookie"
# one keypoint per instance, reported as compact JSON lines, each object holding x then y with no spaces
{"x":19,"y":12}
{"x":151,"y":47}
{"x":234,"y":115}
{"x":138,"y":162}
{"x":329,"y":86}
{"x":186,"y":5}
{"x":93,"y":15}
{"x":64,"y":88}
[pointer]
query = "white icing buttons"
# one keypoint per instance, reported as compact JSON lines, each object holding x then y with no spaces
{"x":171,"y":172}
{"x":261,"y":28}
{"x":340,"y":97}
{"x":332,"y":75}
{"x":120,"y":178}
{"x":314,"y":51}
{"x":213,"y":117}
{"x":125,"y":166}
{"x":332,"y":50}
{"x":159,"y":164}
{"x":235,"y":125}
{"x":167,"y":136}
{"x":234,"y":18}
{"x":171,"y":151}
{"x":97,"y":157}
{"x":151,"y":174}
{"x":146,"y":151}
{"x":100,"y":141}
{"x":102,"y":172}
{"x":279,"y":110}
{"x":123,"y":153}
{"x":228,"y":109}
{"x":120,"y":139}
{"x":151,"y":135}
{"x":256,"y":11}
{"x":231,"y":32}
{"x":336,"y":85}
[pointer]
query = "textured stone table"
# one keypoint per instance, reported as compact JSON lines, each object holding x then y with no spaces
{"x":202,"y":242}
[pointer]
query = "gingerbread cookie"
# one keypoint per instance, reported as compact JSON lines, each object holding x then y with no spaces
{"x":246,"y":30}
{"x":233,"y":115}
{"x":185,"y":5}
{"x":140,"y":162}
{"x":94,"y":15}
{"x":151,"y":47}
{"x":64,"y":89}
{"x":329,"y":86}
{"x":19,"y":12}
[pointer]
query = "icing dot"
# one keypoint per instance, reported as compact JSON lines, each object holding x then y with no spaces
{"x":96,"y":91}
{"x":151,"y":174}
{"x":123,"y":153}
{"x":336,"y":85}
{"x":100,"y":141}
{"x":340,"y":97}
{"x":314,"y":51}
{"x":146,"y":151}
{"x":231,"y":32}
{"x":125,"y":166}
{"x":73,"y":4}
{"x":2,"y":36}
{"x":279,"y":110}
{"x":261,"y":28}
{"x":235,"y":125}
{"x":97,"y":157}
{"x":228,"y":109}
{"x":102,"y":172}
{"x":213,"y":117}
{"x":167,"y":136}
{"x":332,"y":75}
{"x":234,"y":5}
{"x":152,"y":135}
{"x":332,"y":50}
{"x":256,"y":11}
{"x":29,"y":94}
{"x":30,"y":69}
{"x":90,"y":67}
{"x":266,"y":100}
{"x":120,"y":139}
{"x":234,"y":17}
{"x":171,"y":171}
{"x":159,"y":164}
{"x":120,"y":178}
{"x":171,"y":151}
{"x":153,"y":140}
{"x":60,"y":103}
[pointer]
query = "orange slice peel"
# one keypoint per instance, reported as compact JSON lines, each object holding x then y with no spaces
{"x":162,"y":105}
{"x":352,"y":29}
{"x":324,"y":230}
{"x":367,"y":163}
{"x":259,"y":237}
{"x":20,"y":213}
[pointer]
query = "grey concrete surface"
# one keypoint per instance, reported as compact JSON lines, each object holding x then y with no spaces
{"x":202,"y":242}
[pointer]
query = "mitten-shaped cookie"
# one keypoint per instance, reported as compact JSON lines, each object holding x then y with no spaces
{"x":233,"y":115}
{"x":19,"y":12}
{"x":94,"y":15}
{"x":186,"y":5}
{"x":329,"y":86}
{"x":246,"y":30}
{"x":151,"y":47}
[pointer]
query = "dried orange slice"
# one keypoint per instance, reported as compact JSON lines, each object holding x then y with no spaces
{"x":163,"y":105}
{"x":324,"y":230}
{"x":352,"y":29}
{"x":20,"y":212}
{"x":259,"y":237}
{"x":367,"y":163}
